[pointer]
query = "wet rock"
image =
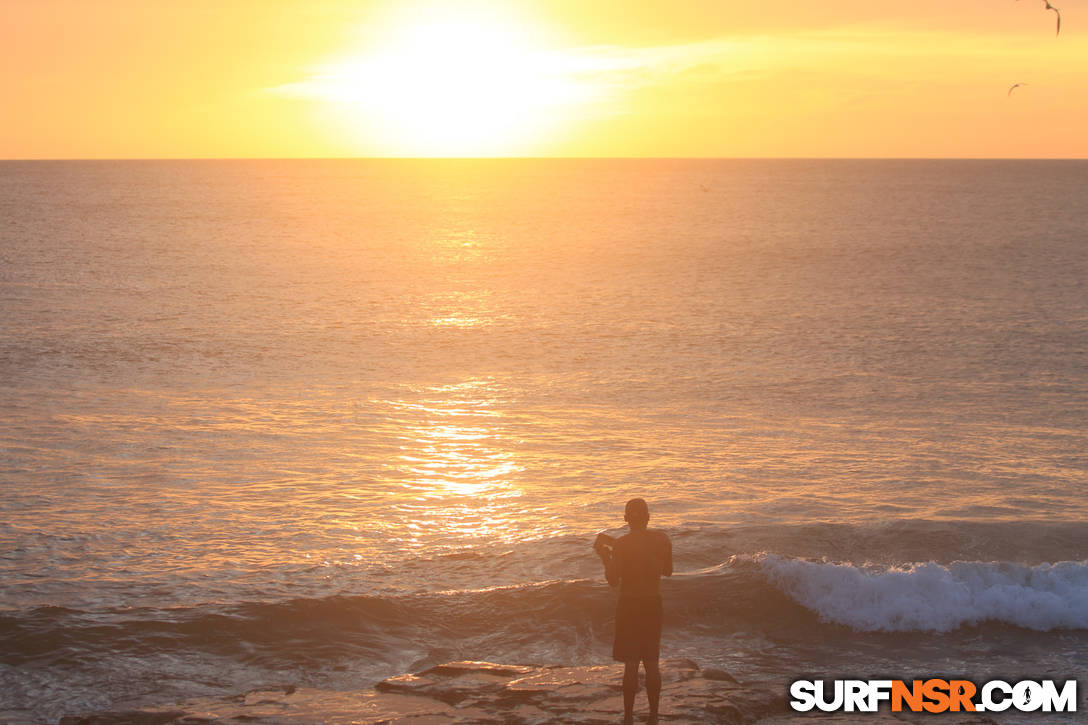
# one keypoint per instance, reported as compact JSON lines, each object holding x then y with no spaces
{"x":406,"y":683}
{"x":127,"y":717}
{"x":712,"y":673}
{"x":469,"y":667}
{"x":480,"y":693}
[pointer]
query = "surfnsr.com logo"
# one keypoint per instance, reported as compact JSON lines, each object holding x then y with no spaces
{"x":933,"y":695}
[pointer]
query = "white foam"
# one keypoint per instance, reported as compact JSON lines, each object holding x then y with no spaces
{"x":935,"y":597}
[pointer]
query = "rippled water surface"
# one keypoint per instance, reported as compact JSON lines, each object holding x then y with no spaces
{"x":361,"y":393}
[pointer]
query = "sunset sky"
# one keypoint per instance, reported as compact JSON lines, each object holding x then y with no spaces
{"x":703,"y":78}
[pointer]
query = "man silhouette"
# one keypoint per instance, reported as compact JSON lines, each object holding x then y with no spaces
{"x":636,"y":562}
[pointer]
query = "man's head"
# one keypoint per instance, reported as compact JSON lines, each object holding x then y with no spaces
{"x":637,"y":513}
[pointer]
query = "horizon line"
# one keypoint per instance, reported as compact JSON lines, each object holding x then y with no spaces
{"x":547,"y":158}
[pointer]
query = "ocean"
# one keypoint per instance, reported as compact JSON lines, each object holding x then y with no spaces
{"x":321,"y":422}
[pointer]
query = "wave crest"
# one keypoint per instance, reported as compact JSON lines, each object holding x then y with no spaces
{"x":935,"y":597}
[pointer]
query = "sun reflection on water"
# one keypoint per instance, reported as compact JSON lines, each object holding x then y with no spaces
{"x":460,"y":309}
{"x":455,"y":321}
{"x":455,"y":472}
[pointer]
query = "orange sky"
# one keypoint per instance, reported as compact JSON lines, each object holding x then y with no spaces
{"x":797,"y":78}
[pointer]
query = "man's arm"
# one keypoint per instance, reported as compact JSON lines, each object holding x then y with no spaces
{"x":666,"y":564}
{"x":612,"y":566}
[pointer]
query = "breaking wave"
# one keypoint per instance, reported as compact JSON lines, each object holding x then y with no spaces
{"x":935,"y":597}
{"x":757,"y":593}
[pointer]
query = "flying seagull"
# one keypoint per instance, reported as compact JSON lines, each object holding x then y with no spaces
{"x":1056,"y":12}
{"x":1015,"y":86}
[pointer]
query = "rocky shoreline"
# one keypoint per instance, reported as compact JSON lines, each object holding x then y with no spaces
{"x":487,"y":693}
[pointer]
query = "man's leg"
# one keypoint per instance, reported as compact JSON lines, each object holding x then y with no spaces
{"x":653,"y":687}
{"x":630,"y":687}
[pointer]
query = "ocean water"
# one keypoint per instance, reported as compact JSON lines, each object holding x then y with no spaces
{"x":323,"y":422}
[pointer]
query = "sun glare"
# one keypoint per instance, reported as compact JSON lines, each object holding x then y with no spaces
{"x":451,"y":85}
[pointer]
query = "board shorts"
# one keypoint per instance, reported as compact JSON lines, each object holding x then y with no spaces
{"x":638,"y":629}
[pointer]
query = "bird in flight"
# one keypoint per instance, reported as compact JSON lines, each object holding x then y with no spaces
{"x":1014,"y":87}
{"x":1056,"y":12}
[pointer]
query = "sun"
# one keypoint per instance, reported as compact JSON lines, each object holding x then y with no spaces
{"x":450,"y":84}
